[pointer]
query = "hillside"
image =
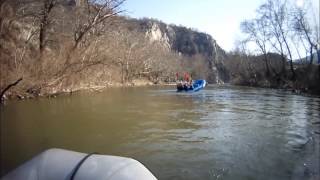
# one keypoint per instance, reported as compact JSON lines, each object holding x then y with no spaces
{"x":306,"y":60}
{"x":66,"y":46}
{"x":190,"y":43}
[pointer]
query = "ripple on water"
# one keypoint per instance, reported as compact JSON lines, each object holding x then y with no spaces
{"x":218,"y":133}
{"x":296,"y":140}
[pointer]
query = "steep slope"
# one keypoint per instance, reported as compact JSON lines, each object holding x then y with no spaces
{"x":187,"y":42}
{"x":118,"y":51}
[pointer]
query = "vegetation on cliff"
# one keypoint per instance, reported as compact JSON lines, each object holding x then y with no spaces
{"x":66,"y":45}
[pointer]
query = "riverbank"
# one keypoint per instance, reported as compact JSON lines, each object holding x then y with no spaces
{"x":300,"y":86}
{"x":18,"y":93}
{"x":22,"y":93}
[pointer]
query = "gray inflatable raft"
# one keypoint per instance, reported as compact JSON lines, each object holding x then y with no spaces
{"x":59,"y":164}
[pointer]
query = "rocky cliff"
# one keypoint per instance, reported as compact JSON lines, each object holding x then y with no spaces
{"x":187,"y":42}
{"x":118,"y":51}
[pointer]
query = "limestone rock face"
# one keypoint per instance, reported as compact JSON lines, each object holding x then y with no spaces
{"x":155,"y":34}
{"x":187,"y":41}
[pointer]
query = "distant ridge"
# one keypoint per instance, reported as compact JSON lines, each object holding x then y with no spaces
{"x":307,"y":59}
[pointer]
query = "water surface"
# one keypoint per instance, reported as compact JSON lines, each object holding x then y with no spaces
{"x":218,"y":133}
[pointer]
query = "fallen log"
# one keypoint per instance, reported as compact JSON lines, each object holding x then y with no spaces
{"x":7,"y":88}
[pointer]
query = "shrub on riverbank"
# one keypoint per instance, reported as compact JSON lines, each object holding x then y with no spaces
{"x":250,"y":70}
{"x":58,"y":47}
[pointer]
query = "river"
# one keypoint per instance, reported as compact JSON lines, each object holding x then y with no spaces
{"x":221,"y":132}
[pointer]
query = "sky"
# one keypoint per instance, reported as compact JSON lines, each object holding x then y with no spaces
{"x":219,"y":18}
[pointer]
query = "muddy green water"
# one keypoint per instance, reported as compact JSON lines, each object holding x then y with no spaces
{"x":219,"y":133}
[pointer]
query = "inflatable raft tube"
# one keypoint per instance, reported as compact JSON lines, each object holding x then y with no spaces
{"x":199,"y":84}
{"x":59,"y":164}
{"x":196,"y":86}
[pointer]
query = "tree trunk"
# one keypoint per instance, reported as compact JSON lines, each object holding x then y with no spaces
{"x":7,"y":88}
{"x":267,"y":65}
{"x":311,"y":56}
{"x":283,"y":68}
{"x":293,"y":77}
{"x":42,"y":37}
{"x":318,"y":55}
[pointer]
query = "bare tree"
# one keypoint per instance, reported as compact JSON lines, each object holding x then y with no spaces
{"x":257,"y":32}
{"x":39,"y":12}
{"x":48,"y":5}
{"x":276,"y":14}
{"x":243,"y":67}
{"x":96,"y":13}
{"x":7,"y":88}
{"x":302,"y":27}
{"x":91,"y":17}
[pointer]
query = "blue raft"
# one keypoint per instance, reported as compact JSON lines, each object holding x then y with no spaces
{"x":196,"y":86}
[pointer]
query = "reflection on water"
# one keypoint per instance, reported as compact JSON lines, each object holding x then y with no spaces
{"x":218,"y":133}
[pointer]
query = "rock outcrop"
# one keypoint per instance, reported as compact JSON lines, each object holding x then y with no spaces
{"x":188,"y":42}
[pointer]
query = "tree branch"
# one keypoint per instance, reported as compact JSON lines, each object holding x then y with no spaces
{"x":7,"y":88}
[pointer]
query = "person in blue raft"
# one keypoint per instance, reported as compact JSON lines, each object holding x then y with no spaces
{"x":184,"y":82}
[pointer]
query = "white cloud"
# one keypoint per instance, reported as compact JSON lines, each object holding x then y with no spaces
{"x":299,"y":3}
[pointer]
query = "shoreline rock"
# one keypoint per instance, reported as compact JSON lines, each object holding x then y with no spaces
{"x":32,"y":93}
